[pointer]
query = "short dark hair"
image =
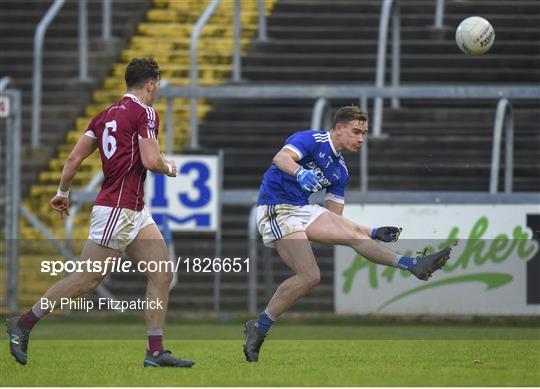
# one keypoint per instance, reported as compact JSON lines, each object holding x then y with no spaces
{"x":348,"y":113}
{"x":140,"y":71}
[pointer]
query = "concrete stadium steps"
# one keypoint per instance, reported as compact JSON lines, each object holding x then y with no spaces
{"x":424,"y":46}
{"x":63,"y":96}
{"x":337,"y":42}
{"x":323,"y":37}
{"x":153,"y":40}
{"x":416,"y":32}
{"x":424,"y":141}
{"x":433,"y":144}
{"x":63,"y":99}
{"x":369,"y":60}
{"x":21,"y":20}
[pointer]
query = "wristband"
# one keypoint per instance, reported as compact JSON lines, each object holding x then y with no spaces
{"x":298,"y":170}
{"x":61,"y":193}
{"x":373,"y":233}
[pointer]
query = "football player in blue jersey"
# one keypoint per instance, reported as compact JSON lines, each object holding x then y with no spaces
{"x":308,"y":162}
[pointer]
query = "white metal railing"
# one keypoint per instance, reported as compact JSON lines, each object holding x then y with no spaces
{"x":391,"y":7}
{"x":106,"y":30}
{"x":321,"y":115}
{"x":169,"y":124}
{"x":38,"y":61}
{"x":339,"y":91}
{"x":237,"y":42}
{"x":364,"y":91}
{"x":364,"y":152}
{"x":39,"y":36}
{"x":83,"y":40}
{"x":236,"y":58}
{"x":439,"y":15}
{"x":194,"y":70}
{"x":262,"y":33}
{"x":4,"y":82}
{"x":503,"y":117}
{"x":388,"y":7}
{"x":252,"y":247}
{"x":12,"y":194}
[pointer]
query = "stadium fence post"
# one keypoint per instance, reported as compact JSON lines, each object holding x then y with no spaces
{"x":396,"y":50}
{"x":38,"y":62}
{"x":320,"y":114}
{"x":106,"y":20}
{"x":237,"y":44}
{"x":262,"y":36}
{"x":194,"y":72}
{"x":252,"y":274}
{"x":364,"y":153}
{"x":503,"y":117}
{"x":439,"y":14}
{"x":387,"y":7}
{"x":170,"y":125}
{"x":218,"y":234}
{"x":13,"y":188}
{"x":83,"y":40}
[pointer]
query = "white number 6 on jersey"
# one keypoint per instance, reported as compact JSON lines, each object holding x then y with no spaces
{"x":108,"y":142}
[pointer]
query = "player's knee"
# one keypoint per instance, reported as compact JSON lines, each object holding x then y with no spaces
{"x":87,"y":282}
{"x":357,"y":233}
{"x":162,"y":278}
{"x":311,"y":279}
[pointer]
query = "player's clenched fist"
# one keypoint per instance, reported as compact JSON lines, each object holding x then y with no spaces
{"x":61,"y":205}
{"x":172,"y":169}
{"x":386,"y":234}
{"x":307,"y":179}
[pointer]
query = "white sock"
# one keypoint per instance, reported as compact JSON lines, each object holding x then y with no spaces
{"x":270,"y":316}
{"x":396,"y":260}
{"x":154,"y":332}
{"x":36,"y":309}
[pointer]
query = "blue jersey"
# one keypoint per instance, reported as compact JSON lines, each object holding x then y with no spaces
{"x":316,"y":152}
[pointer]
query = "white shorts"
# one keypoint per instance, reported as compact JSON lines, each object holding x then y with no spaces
{"x":276,"y":221}
{"x":117,"y":227}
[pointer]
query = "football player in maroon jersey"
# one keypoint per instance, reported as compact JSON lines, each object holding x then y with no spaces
{"x":126,"y":134}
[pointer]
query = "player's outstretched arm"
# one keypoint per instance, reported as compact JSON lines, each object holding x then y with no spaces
{"x":84,"y":147}
{"x":153,"y":159}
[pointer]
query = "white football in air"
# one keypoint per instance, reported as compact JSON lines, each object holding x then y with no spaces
{"x":475,"y":35}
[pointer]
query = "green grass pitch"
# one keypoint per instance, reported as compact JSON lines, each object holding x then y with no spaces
{"x":294,"y":355}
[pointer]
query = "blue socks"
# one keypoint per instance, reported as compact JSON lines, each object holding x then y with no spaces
{"x":264,"y":322}
{"x":407,"y":263}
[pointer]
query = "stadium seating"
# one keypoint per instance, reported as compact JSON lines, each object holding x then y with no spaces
{"x":164,"y":35}
{"x":63,"y":99}
{"x":433,"y":145}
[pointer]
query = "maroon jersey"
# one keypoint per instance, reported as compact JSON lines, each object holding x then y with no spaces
{"x":118,"y":130}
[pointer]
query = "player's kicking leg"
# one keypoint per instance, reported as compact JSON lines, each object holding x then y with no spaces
{"x":76,"y":284}
{"x":335,"y":229}
{"x":150,"y":246}
{"x":296,"y":252}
